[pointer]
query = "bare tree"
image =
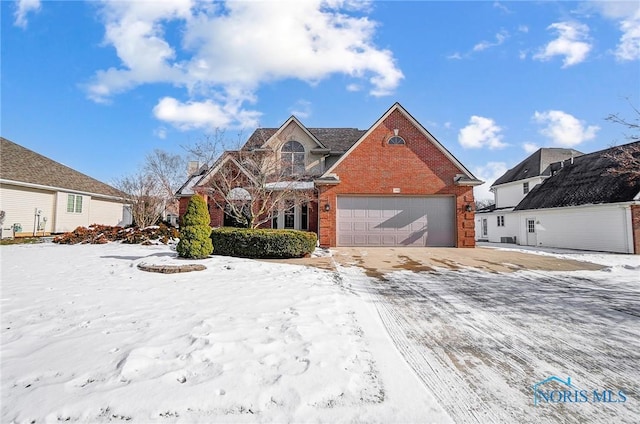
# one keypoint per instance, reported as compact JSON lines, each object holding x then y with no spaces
{"x":483,"y":203}
{"x":626,"y":157}
{"x":145,"y":196}
{"x":633,"y":124}
{"x":168,"y":170}
{"x":209,"y":147}
{"x":252,"y":184}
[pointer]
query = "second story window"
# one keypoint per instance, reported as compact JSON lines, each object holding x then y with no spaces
{"x":292,"y":158}
{"x":525,"y":188}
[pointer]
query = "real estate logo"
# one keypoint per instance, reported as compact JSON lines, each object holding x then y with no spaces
{"x":556,"y":390}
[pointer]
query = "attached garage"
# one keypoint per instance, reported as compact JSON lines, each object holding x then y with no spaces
{"x":396,"y":221}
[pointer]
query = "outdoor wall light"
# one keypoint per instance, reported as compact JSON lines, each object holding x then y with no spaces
{"x":327,"y":207}
{"x":468,"y":208}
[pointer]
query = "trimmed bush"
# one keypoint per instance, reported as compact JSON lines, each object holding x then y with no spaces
{"x":197,"y":213}
{"x":251,"y":243}
{"x":195,"y":241}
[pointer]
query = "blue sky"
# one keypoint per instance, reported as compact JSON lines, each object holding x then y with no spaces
{"x":98,"y":85}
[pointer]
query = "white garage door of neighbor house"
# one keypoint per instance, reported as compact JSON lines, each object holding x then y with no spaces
{"x":396,"y":221}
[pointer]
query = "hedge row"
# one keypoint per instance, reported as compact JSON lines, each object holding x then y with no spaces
{"x":251,"y":243}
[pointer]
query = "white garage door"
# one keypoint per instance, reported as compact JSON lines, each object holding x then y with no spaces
{"x":396,"y":221}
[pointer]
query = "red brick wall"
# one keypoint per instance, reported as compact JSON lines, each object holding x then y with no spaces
{"x":416,"y":168}
{"x":635,"y":224}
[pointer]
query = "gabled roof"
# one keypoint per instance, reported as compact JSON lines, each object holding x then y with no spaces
{"x":192,"y":181}
{"x":337,"y":140}
{"x":537,"y":164}
{"x":468,"y":178}
{"x":21,"y":165}
{"x":585,"y":181}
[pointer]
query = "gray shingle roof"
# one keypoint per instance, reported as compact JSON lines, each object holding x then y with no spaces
{"x":586,"y":181}
{"x":20,"y":164}
{"x":537,"y":164}
{"x":337,"y":140}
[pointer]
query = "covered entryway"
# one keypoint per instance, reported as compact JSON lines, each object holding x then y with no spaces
{"x":396,"y":221}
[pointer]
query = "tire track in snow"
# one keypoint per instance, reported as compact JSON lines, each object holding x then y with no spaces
{"x":472,"y":341}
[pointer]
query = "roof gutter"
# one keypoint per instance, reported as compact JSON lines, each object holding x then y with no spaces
{"x":66,"y":190}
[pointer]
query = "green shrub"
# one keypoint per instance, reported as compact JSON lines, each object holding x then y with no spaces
{"x":197,"y":212}
{"x":195,"y":241}
{"x":251,"y":243}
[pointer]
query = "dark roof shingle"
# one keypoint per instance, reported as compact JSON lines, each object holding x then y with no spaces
{"x":337,"y":140}
{"x":20,"y":164}
{"x":585,"y":181}
{"x":537,"y":164}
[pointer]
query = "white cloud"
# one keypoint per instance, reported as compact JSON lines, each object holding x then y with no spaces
{"x":629,"y":47}
{"x":499,"y":5}
{"x":530,"y":147}
{"x":23,"y":8}
{"x":572,"y":43}
{"x":226,"y":49}
{"x":353,"y":87}
{"x":204,"y":115}
{"x":455,"y":56}
{"x":483,"y":45}
{"x":160,"y":132}
{"x":302,"y":109}
{"x":523,"y":28}
{"x":481,"y":132}
{"x":564,"y":129}
{"x":488,"y":173}
{"x":627,"y":14}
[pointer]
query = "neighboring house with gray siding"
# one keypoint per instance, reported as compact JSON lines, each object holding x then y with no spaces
{"x":40,"y":196}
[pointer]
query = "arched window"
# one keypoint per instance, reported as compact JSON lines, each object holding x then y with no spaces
{"x":396,"y":140}
{"x":292,"y":158}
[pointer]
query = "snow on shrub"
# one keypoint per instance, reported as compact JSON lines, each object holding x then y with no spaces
{"x":195,"y":242}
{"x":100,"y":234}
{"x":252,"y":243}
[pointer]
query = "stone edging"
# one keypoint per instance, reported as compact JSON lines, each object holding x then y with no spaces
{"x":171,"y":269}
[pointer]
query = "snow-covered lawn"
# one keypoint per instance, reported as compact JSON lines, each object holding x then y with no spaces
{"x":88,"y":337}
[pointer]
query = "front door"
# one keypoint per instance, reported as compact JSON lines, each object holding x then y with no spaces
{"x":292,"y":217}
{"x":532,"y":239}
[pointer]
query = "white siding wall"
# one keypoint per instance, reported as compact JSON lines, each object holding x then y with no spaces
{"x":509,"y":195}
{"x":20,"y":204}
{"x":106,"y":212}
{"x":495,"y":233}
{"x":69,"y":221}
{"x":602,"y":228}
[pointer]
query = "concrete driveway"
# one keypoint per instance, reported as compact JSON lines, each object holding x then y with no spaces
{"x":480,"y":339}
{"x":377,"y":261}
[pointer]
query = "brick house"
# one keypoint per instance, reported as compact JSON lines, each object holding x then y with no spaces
{"x":391,"y":185}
